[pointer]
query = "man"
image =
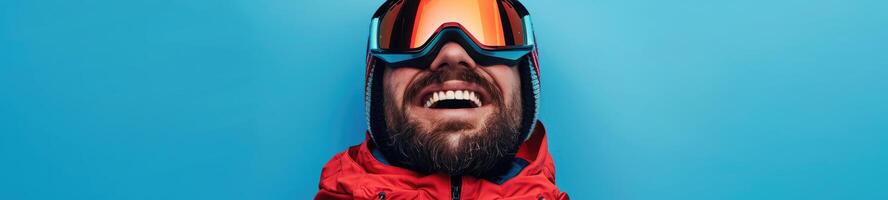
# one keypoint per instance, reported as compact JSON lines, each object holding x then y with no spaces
{"x":452,"y":92}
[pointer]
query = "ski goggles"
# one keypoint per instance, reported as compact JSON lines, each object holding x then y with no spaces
{"x":409,"y":33}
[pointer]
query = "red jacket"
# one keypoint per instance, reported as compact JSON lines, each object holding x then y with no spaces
{"x":356,"y":174}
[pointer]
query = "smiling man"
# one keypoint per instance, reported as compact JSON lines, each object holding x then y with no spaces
{"x":452,"y":93}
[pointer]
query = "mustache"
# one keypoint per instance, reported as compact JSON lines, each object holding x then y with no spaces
{"x":453,"y":73}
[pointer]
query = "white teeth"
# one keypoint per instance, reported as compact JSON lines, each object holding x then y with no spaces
{"x":474,"y":98}
{"x":453,"y":94}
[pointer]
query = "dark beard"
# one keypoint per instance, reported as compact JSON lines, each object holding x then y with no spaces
{"x":429,"y":150}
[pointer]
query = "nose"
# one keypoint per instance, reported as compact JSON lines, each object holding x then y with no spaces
{"x":452,"y":55}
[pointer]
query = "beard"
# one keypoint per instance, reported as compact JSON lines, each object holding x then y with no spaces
{"x":453,"y":147}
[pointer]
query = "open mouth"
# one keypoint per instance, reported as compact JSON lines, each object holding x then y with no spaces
{"x":453,"y":99}
{"x":452,"y":94}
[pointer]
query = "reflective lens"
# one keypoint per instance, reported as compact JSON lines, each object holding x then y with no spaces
{"x":407,"y":25}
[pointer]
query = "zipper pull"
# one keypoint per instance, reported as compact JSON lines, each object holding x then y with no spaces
{"x":455,"y":187}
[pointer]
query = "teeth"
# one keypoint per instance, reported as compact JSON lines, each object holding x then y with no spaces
{"x":475,"y":99}
{"x":453,"y":94}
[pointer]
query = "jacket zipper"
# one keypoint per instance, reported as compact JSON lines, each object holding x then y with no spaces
{"x":455,"y":187}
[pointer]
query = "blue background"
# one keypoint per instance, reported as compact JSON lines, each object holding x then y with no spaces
{"x":247,"y":99}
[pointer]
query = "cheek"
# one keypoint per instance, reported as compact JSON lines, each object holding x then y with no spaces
{"x":508,"y":80}
{"x":395,"y":82}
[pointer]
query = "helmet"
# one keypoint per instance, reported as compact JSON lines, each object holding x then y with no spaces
{"x":411,"y":32}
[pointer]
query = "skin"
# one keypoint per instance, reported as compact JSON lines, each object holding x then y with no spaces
{"x":450,"y":57}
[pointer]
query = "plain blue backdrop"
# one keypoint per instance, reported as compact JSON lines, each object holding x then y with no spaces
{"x":247,"y":99}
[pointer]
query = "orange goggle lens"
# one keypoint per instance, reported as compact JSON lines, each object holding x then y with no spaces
{"x":406,"y":25}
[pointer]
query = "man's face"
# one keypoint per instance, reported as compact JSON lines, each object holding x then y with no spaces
{"x":452,"y":116}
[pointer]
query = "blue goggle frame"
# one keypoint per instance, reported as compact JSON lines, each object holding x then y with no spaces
{"x":424,"y":55}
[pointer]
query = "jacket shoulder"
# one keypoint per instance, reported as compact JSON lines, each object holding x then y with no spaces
{"x":329,"y":185}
